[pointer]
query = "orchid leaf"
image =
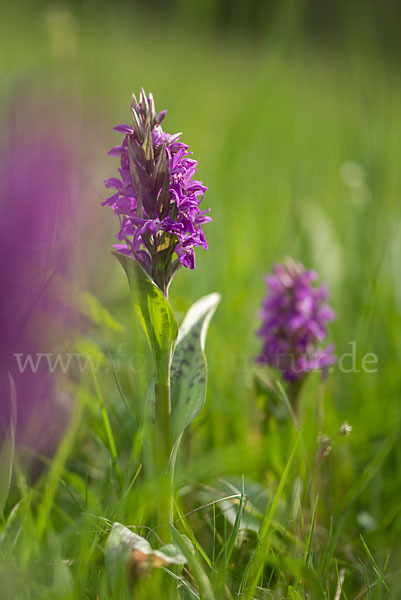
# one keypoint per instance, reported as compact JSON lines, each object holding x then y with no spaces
{"x":189,"y":367}
{"x":154,"y":312}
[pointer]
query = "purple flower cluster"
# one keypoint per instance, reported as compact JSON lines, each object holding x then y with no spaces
{"x":39,"y":185}
{"x":156,"y":197}
{"x":294,"y":321}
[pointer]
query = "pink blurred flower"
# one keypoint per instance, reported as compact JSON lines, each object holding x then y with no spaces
{"x":37,"y":234}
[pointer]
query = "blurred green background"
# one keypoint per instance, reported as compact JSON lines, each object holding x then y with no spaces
{"x":293,"y":111}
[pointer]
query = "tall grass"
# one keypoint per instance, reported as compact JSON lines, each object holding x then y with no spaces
{"x":300,"y":148}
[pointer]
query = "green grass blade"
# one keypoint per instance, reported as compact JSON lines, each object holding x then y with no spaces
{"x":229,"y":546}
{"x":354,"y":493}
{"x":107,"y":427}
{"x":123,"y":398}
{"x":56,"y":470}
{"x":7,"y":451}
{"x":205,"y":586}
{"x":258,"y":558}
{"x":310,"y":536}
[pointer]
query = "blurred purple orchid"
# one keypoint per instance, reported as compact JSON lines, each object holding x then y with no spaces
{"x":37,"y":233}
{"x":294,"y":322}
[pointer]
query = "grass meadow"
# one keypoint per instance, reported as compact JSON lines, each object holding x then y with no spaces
{"x":299,"y":142}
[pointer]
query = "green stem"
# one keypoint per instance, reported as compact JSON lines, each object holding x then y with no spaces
{"x":162,"y":445}
{"x":160,"y":326}
{"x":162,"y":397}
{"x":293,"y":393}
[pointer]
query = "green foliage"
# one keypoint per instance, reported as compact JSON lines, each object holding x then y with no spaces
{"x":7,"y":451}
{"x":154,"y":312}
{"x":299,"y":146}
{"x":189,"y":368}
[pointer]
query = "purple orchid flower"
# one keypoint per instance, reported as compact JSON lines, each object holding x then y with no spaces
{"x":156,"y":198}
{"x":294,"y":316}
